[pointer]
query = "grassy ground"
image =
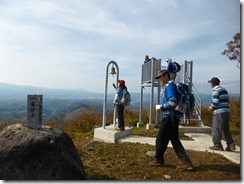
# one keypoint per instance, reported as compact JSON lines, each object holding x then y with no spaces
{"x":128,"y":161}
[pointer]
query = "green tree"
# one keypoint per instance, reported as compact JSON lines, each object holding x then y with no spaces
{"x":233,"y":51}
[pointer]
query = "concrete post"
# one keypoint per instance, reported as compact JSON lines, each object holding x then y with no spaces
{"x":34,"y":111}
{"x":152,"y":92}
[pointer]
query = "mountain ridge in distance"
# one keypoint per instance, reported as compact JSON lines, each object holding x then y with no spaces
{"x":13,"y":100}
{"x":14,"y":91}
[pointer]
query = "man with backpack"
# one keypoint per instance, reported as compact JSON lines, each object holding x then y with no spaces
{"x":169,"y":126}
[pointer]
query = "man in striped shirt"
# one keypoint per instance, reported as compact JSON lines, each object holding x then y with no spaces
{"x":221,"y":116}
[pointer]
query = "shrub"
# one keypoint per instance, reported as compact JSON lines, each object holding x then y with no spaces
{"x":235,"y":115}
{"x":88,"y":120}
{"x":131,"y":117}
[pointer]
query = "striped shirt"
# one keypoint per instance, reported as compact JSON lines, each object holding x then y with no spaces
{"x":220,"y":100}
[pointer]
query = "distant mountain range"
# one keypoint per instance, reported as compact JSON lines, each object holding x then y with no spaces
{"x":20,"y":92}
{"x":57,"y":103}
{"x":12,"y":91}
{"x":60,"y":102}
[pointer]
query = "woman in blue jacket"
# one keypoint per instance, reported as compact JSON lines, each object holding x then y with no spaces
{"x":118,"y":105}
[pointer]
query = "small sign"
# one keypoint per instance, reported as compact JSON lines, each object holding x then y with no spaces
{"x":34,"y":111}
{"x":147,"y":70}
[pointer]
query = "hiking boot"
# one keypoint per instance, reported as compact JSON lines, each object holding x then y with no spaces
{"x":231,"y":147}
{"x":217,"y":148}
{"x":185,"y":166}
{"x":156,"y":163}
{"x":120,"y":129}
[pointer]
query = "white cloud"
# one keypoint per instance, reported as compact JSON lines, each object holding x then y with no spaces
{"x":69,"y":43}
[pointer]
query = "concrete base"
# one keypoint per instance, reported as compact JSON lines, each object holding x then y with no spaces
{"x":139,"y":124}
{"x":109,"y":134}
{"x":186,"y":128}
{"x":150,"y":126}
{"x":194,"y":129}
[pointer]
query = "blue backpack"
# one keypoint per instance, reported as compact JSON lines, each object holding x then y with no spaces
{"x":125,"y":100}
{"x":186,"y":100}
{"x":173,"y":67}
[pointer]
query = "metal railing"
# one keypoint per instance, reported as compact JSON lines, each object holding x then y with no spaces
{"x":198,"y":100}
{"x":198,"y":105}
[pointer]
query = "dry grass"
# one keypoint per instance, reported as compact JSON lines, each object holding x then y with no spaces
{"x":128,"y":161}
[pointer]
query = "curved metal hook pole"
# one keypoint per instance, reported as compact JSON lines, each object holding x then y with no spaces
{"x":106,"y":90}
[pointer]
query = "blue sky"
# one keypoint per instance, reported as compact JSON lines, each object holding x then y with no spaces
{"x":68,"y":44}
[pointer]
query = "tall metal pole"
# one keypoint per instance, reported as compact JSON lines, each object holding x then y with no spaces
{"x":158,"y":102}
{"x":106,"y":90}
{"x":191,"y":74}
{"x":141,"y":101}
{"x":152,"y":92}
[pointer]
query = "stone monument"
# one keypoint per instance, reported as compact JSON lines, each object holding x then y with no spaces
{"x":34,"y":111}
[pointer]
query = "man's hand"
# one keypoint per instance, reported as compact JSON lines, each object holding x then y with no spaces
{"x":210,"y":108}
{"x":158,"y":107}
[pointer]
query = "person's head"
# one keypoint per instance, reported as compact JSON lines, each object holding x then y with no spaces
{"x":121,"y":83}
{"x":146,"y":57}
{"x":214,"y":82}
{"x":163,"y":76}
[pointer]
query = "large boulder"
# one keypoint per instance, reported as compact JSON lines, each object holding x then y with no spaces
{"x":43,"y":154}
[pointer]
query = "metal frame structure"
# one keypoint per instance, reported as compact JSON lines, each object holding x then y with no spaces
{"x":149,"y":71}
